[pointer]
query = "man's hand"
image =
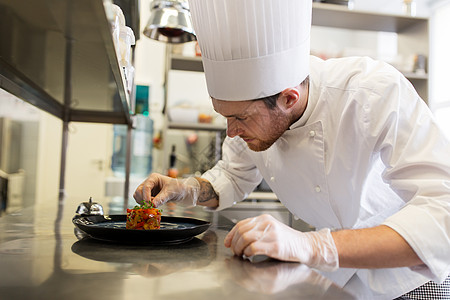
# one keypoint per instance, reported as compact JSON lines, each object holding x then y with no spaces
{"x":159,"y":189}
{"x":268,"y":236}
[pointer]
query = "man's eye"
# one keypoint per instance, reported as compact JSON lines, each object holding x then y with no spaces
{"x":241,"y":118}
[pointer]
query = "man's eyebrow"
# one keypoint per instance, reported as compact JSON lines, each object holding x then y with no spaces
{"x":234,"y":116}
{"x":229,"y":116}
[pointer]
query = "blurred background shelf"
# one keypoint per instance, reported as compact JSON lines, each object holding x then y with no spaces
{"x":340,"y":16}
{"x":412,"y":36}
{"x":398,"y":39}
{"x":416,"y":76}
{"x":196,"y":126}
{"x":186,"y":63}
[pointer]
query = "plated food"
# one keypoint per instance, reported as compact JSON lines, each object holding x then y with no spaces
{"x":143,"y":217}
{"x":112,"y":228}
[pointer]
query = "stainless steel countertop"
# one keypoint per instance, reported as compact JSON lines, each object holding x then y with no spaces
{"x":42,"y":258}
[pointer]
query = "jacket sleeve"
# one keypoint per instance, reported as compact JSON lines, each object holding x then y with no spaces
{"x":416,"y":155}
{"x":235,"y":175}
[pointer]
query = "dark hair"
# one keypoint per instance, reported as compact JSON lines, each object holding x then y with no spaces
{"x":271,"y":101}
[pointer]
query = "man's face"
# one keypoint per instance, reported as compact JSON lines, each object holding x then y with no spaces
{"x":253,"y":121}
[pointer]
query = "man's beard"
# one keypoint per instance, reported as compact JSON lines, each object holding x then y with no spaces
{"x":279,"y":123}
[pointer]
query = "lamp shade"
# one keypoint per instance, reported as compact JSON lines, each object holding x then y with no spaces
{"x":170,"y":22}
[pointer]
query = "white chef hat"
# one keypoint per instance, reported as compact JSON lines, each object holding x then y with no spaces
{"x":252,"y":48}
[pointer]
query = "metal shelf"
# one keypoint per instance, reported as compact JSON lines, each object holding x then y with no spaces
{"x":412,"y":32}
{"x":196,"y":126}
{"x":416,"y":76}
{"x":60,"y":57}
{"x":186,"y":63}
{"x":332,"y":15}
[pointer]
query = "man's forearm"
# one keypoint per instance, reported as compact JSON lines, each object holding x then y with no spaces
{"x":207,"y":196}
{"x":378,"y":247}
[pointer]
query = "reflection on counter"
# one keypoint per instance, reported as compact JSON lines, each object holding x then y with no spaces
{"x":278,"y":278}
{"x":150,"y":261}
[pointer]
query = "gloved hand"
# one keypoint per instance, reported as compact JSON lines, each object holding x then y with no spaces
{"x":268,"y":236}
{"x":160,"y":189}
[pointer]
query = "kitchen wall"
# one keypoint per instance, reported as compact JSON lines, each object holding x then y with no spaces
{"x":440,"y":63}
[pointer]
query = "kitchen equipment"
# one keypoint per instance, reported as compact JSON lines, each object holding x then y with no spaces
{"x":170,"y":22}
{"x":89,"y":208}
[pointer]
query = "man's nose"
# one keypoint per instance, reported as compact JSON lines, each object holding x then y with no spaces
{"x":233,"y":128}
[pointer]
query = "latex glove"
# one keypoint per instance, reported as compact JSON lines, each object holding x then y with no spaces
{"x":267,"y":236}
{"x":160,"y":189}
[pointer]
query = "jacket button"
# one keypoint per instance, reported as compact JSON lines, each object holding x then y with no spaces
{"x":272,"y":179}
{"x":312,"y":133}
{"x":317,"y":189}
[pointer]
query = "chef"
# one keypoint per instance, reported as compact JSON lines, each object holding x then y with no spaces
{"x":346,"y":145}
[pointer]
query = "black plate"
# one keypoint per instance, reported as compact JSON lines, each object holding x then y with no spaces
{"x":112,"y":228}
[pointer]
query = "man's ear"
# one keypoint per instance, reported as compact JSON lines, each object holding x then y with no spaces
{"x":289,"y":97}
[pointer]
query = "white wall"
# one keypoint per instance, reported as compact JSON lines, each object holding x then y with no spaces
{"x":149,"y":62}
{"x":440,"y":63}
{"x":49,"y":157}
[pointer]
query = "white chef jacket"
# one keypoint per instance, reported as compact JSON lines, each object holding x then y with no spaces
{"x":367,"y":151}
